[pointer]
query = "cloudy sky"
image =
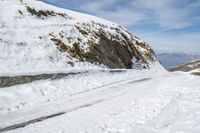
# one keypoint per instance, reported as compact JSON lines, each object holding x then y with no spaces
{"x":167,"y":25}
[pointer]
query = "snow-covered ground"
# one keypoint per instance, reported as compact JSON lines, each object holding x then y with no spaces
{"x":25,"y":45}
{"x":100,"y":102}
{"x":145,"y":101}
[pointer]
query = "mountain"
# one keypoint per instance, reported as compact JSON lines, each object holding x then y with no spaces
{"x":173,"y":59}
{"x":35,"y":36}
{"x":191,"y":66}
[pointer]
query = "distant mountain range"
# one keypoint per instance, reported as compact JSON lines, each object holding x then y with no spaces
{"x":173,"y":59}
{"x":187,"y":67}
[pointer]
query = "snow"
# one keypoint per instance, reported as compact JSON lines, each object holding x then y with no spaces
{"x":136,"y":65}
{"x":47,"y":90}
{"x":25,"y":44}
{"x":131,"y":101}
{"x":102,"y":102}
{"x":21,"y":49}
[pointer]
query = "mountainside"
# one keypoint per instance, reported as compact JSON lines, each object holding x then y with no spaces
{"x":35,"y":36}
{"x":191,"y":66}
{"x":170,"y":60}
{"x":187,"y":67}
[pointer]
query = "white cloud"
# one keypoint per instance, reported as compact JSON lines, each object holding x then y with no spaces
{"x":185,"y":42}
{"x":163,"y":12}
{"x":97,"y":5}
{"x":124,"y":16}
{"x":162,"y":15}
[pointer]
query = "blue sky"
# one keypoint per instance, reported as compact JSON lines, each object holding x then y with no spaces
{"x":167,"y":25}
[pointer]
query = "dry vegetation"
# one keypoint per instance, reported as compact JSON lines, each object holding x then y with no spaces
{"x":196,"y":73}
{"x":43,"y":13}
{"x":75,"y":51}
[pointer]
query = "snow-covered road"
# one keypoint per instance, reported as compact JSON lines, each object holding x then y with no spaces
{"x":161,"y":103}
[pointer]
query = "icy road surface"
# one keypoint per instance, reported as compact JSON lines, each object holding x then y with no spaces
{"x":146,"y":103}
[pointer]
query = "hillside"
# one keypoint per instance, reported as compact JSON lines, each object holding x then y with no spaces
{"x":37,"y":37}
{"x":175,"y":59}
{"x":66,"y":72}
{"x":187,"y":67}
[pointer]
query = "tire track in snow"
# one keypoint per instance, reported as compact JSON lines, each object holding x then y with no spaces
{"x":11,"y":81}
{"x":7,"y":81}
{"x":24,"y":124}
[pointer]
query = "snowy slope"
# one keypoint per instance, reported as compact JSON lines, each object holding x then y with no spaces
{"x":39,"y":38}
{"x":45,"y":91}
{"x":143,"y":102}
{"x":46,"y":42}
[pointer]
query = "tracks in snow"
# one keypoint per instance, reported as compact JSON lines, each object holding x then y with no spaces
{"x":21,"y":125}
{"x":7,"y":81}
{"x":93,"y":101}
{"x":11,"y":81}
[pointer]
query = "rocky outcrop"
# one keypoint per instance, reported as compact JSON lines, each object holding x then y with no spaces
{"x":35,"y":36}
{"x":113,"y":53}
{"x":113,"y":50}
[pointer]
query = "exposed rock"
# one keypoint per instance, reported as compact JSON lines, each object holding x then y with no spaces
{"x":114,"y":51}
{"x":111,"y":53}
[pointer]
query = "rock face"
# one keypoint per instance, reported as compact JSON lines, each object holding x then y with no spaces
{"x":115,"y":54}
{"x":111,"y":53}
{"x":37,"y":36}
{"x":113,"y":50}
